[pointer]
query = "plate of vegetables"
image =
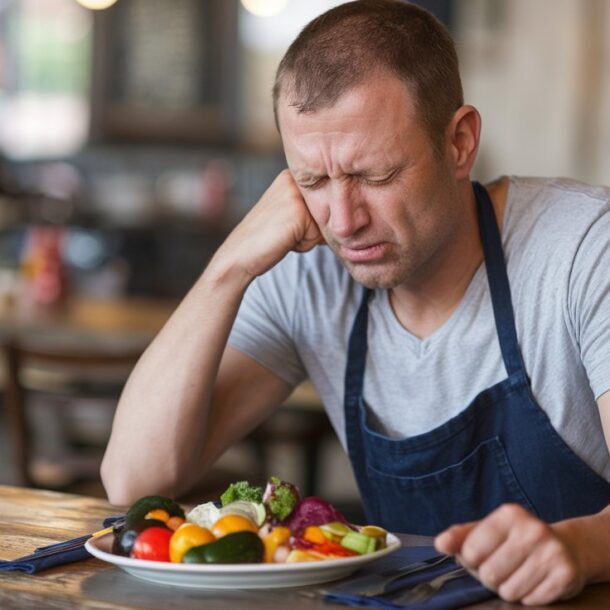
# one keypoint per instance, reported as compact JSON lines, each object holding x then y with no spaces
{"x":251,"y":538}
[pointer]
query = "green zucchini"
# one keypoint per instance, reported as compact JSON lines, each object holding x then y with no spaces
{"x":140,"y":508}
{"x":238,"y":547}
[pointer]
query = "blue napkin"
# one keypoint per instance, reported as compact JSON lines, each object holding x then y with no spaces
{"x":57,"y":554}
{"x":454,"y":594}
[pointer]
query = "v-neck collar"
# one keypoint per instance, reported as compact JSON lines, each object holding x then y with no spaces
{"x":421,"y":346}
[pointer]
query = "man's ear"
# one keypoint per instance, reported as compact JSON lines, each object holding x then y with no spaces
{"x":463,"y":134}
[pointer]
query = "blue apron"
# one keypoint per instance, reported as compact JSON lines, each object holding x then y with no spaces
{"x":501,"y":448}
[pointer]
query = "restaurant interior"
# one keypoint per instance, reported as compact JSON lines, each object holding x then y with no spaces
{"x":134,"y":135}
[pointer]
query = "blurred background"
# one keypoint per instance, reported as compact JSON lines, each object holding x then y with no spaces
{"x":134,"y":134}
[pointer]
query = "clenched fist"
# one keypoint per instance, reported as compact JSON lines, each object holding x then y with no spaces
{"x":278,"y":223}
{"x":519,"y":556}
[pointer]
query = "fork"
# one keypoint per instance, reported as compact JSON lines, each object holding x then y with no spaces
{"x":376,"y":587}
{"x":425,"y":590}
{"x":371,"y":585}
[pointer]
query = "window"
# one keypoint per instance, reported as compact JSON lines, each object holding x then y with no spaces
{"x":45,"y":55}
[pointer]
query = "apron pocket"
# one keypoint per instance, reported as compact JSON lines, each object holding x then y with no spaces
{"x":465,"y":491}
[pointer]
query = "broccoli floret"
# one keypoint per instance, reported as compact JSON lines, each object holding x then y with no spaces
{"x":280,"y":498}
{"x":242,"y":490}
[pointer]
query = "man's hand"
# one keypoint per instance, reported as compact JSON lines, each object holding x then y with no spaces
{"x":519,"y":556}
{"x":278,"y":223}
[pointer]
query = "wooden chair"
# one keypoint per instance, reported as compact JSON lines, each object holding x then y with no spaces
{"x":55,"y":375}
{"x":59,"y":375}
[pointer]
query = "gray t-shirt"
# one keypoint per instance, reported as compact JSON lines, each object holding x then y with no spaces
{"x":296,"y":319}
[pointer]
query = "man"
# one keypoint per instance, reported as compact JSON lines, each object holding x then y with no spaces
{"x":454,"y":407}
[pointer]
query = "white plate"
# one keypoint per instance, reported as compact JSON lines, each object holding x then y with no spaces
{"x":237,"y":576}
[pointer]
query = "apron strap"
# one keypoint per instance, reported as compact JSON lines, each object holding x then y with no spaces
{"x":354,"y":383}
{"x":499,"y":286}
{"x":357,"y":350}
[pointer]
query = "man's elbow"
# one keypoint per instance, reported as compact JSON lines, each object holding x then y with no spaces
{"x":123,"y":487}
{"x":119,"y":489}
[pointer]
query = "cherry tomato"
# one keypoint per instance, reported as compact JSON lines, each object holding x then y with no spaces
{"x":152,"y":544}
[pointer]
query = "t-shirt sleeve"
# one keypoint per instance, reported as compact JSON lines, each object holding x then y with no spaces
{"x":589,"y":302}
{"x":264,"y":325}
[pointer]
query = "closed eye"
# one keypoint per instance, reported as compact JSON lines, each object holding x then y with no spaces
{"x":380,"y":181}
{"x":310,"y":186}
{"x":377,"y":181}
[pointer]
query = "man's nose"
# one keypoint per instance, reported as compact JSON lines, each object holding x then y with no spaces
{"x":347,"y":212}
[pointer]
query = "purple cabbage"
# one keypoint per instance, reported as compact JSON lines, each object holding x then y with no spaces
{"x":312,"y":511}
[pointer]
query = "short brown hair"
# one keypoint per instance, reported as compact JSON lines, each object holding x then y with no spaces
{"x":339,"y":49}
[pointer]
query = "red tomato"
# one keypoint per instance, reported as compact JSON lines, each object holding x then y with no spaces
{"x":152,"y":544}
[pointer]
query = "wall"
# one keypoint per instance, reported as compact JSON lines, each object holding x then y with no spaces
{"x":539,"y":72}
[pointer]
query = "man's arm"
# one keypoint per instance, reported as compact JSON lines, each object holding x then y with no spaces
{"x":189,"y":397}
{"x":526,"y":560}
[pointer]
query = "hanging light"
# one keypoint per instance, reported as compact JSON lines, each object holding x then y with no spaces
{"x":96,"y":5}
{"x":264,"y":8}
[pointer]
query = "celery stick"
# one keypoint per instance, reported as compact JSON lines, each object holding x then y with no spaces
{"x":358,"y":542}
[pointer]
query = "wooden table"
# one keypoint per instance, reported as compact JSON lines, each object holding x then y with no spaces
{"x":31,"y":518}
{"x":82,"y":320}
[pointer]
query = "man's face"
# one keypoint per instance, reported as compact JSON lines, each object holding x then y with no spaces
{"x":371,"y":180}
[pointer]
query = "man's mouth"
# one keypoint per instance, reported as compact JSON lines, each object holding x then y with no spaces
{"x":363,"y":253}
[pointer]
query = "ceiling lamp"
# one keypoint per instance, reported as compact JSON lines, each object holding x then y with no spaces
{"x":96,"y":5}
{"x":264,"y":8}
